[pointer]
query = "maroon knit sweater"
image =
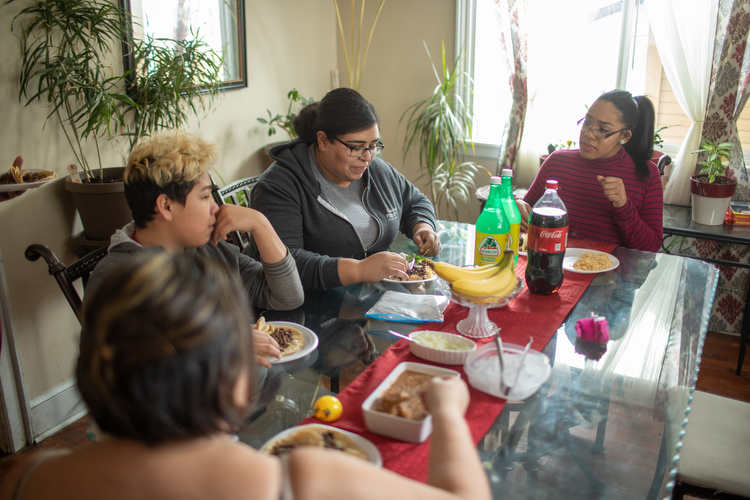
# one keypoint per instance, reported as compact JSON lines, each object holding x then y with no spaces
{"x":638,"y":224}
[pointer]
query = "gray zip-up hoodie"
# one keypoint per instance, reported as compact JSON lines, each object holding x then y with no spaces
{"x":269,"y":286}
{"x":317,"y":234}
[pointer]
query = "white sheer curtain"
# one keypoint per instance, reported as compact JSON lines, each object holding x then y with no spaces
{"x":684,"y":32}
{"x":572,"y":60}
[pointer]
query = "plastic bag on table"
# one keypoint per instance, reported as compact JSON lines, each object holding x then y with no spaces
{"x":408,"y":308}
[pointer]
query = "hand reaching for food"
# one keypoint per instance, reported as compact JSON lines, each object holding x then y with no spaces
{"x":382,"y":265}
{"x":426,"y":239}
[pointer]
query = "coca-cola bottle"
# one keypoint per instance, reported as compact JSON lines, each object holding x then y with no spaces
{"x":547,"y":241}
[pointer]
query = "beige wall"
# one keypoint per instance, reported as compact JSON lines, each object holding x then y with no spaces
{"x":398,"y":71}
{"x":291,"y":43}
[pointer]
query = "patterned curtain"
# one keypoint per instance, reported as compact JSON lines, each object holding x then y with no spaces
{"x":513,"y":39}
{"x":727,"y":97}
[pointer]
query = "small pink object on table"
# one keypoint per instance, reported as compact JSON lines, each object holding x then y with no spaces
{"x":593,"y":329}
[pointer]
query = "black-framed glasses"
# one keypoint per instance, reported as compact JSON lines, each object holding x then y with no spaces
{"x":357,"y":151}
{"x":599,"y":133}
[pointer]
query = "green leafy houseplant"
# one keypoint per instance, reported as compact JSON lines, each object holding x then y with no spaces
{"x":296,"y":103}
{"x":173,"y":79}
{"x":658,"y":141}
{"x":718,"y":158}
{"x":440,"y":126}
{"x":67,"y":58}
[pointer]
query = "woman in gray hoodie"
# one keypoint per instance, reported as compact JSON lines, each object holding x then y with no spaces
{"x":335,"y":204}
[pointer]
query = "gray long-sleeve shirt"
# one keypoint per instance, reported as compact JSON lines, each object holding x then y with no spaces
{"x":270,"y":286}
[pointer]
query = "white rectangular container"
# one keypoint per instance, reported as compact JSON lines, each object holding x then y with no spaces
{"x":403,"y":429}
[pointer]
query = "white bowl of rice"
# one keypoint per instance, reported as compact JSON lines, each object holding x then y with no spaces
{"x":441,"y":347}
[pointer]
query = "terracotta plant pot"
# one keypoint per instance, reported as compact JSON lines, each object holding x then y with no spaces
{"x":711,"y":199}
{"x":102,"y":206}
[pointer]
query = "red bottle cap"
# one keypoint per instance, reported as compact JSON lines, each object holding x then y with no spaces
{"x":551,"y":184}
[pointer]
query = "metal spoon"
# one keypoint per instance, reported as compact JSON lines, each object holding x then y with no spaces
{"x":403,"y":336}
{"x":520,"y":363}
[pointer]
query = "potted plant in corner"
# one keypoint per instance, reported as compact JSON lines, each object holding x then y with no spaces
{"x":711,"y":188}
{"x":68,"y":58}
{"x":171,"y":80}
{"x":440,"y":126}
{"x":67,"y":62}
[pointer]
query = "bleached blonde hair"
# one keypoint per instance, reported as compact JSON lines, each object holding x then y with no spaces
{"x":170,"y":156}
{"x":170,"y":163}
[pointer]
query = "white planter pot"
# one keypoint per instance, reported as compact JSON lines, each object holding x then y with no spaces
{"x":709,"y":211}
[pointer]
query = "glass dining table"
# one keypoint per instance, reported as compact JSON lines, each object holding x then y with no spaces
{"x":604,"y":425}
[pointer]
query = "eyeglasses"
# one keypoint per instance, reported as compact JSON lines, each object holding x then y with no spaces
{"x":599,"y":133}
{"x":357,"y":151}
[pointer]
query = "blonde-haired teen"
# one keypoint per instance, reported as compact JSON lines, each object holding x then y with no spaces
{"x":168,"y":190}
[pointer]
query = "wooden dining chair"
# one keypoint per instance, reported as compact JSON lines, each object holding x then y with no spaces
{"x":236,"y":193}
{"x":67,"y":275}
{"x":715,"y":454}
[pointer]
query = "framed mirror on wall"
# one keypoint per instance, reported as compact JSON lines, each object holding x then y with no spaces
{"x":219,"y":23}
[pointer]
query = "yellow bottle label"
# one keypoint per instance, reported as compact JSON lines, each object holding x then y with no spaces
{"x":489,"y":248}
{"x":513,"y":237}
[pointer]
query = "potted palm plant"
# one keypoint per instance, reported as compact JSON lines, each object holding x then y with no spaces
{"x":68,"y":60}
{"x":171,"y":80}
{"x":711,"y":188}
{"x":440,"y":126}
{"x":66,"y":48}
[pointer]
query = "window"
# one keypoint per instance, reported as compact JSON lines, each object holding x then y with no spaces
{"x":574,"y":54}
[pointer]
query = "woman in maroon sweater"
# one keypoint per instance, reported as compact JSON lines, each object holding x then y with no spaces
{"x":610,"y":187}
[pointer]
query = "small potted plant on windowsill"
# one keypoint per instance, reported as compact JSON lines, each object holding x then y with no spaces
{"x":711,"y":188}
{"x":551,"y":148}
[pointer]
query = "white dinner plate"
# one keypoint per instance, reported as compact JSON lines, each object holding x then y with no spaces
{"x":7,"y":188}
{"x":311,"y":342}
{"x":404,"y":282}
{"x":483,"y":370}
{"x":373,"y":455}
{"x":573,"y":254}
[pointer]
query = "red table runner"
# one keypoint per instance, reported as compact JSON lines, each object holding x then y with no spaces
{"x":528,"y":314}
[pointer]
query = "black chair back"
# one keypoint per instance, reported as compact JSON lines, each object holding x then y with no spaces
{"x":67,"y":275}
{"x":236,"y":193}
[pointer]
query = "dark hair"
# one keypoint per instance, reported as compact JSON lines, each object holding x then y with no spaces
{"x":163,"y":343}
{"x":637,"y":115}
{"x":168,"y":162}
{"x":341,"y":111}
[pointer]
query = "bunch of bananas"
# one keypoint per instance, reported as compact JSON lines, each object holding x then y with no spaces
{"x":496,"y":280}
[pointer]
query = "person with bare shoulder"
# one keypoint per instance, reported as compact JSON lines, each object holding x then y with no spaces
{"x":166,"y":370}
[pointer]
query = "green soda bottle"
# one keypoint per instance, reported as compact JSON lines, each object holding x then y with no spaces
{"x":511,"y":211}
{"x":492,"y":227}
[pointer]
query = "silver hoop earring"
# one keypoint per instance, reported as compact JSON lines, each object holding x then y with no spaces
{"x":622,"y":141}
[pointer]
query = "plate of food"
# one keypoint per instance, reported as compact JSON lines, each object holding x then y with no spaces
{"x":421,"y":271}
{"x":585,"y":261}
{"x":295,"y":341}
{"x":322,"y":436}
{"x":20,"y":179}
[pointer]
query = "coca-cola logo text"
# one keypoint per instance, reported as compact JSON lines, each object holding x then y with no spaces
{"x":547,"y":233}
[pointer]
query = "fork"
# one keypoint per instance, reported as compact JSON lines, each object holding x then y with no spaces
{"x":501,"y":360}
